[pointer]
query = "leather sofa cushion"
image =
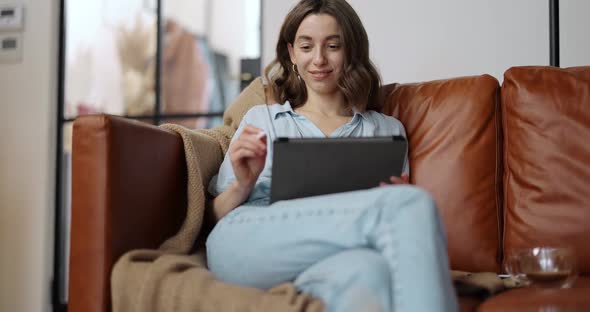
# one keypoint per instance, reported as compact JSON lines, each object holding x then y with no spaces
{"x":546,"y":123}
{"x":453,"y":131}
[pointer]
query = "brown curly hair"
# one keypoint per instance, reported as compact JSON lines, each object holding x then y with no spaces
{"x":360,"y":81}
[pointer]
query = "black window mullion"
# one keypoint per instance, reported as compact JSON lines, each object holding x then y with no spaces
{"x":161,"y":116}
{"x":554,"y":33}
{"x":58,"y":290}
{"x":157,"y":116}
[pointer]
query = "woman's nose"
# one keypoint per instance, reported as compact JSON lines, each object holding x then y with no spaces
{"x":319,"y":57}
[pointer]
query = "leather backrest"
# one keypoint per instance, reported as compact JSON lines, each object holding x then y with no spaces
{"x":455,"y":154}
{"x":546,"y":122}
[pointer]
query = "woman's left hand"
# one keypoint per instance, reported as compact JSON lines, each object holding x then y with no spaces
{"x":403,"y":179}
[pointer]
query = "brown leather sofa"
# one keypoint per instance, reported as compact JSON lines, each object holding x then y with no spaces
{"x":508,"y":167}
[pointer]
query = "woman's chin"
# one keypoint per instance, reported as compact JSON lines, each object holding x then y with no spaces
{"x":324,"y":86}
{"x":325,"y":91}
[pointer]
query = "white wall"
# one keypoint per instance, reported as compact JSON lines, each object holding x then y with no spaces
{"x":574,"y":26}
{"x":429,"y":39}
{"x":27,"y":142}
{"x":273,"y":13}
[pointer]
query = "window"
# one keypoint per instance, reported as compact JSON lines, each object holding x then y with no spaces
{"x":114,"y":59}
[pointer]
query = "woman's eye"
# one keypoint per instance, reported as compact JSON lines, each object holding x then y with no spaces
{"x":305,"y":48}
{"x":334,"y":46}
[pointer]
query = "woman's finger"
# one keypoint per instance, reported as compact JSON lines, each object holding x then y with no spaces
{"x":253,"y":139}
{"x":249,"y":129}
{"x":243,"y":153}
{"x":405,"y":177}
{"x":396,"y":180}
{"x":249,"y":145}
{"x":260,"y":143}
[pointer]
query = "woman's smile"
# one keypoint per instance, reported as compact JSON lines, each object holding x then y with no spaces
{"x":320,"y":74}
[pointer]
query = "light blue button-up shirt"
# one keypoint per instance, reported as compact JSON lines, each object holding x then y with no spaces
{"x":287,"y":123}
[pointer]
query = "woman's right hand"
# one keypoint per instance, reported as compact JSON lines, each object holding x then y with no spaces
{"x":247,"y":156}
{"x":393,"y":180}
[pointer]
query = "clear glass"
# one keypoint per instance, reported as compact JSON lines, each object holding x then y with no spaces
{"x":210,"y":50}
{"x":110,"y":55}
{"x":547,"y":267}
{"x":207,"y":47}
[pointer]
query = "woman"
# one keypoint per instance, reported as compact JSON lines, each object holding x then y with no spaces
{"x":381,"y":249}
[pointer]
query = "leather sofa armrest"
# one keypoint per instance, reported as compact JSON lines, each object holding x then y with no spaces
{"x":128,"y":192}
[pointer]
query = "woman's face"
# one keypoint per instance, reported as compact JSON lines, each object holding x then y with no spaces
{"x":318,"y":53}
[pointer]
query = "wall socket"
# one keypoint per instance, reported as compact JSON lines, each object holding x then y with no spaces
{"x":12,"y":26}
{"x":12,"y":17}
{"x":11,"y":47}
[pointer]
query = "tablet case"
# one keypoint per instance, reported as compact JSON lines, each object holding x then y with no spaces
{"x":305,"y":167}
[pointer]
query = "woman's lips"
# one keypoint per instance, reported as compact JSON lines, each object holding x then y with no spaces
{"x":320,"y":74}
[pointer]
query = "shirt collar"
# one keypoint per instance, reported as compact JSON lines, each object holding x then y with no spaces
{"x":286,"y":108}
{"x":282,"y":109}
{"x":356,"y":113}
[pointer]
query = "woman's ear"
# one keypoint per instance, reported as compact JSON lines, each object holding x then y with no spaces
{"x":291,"y":53}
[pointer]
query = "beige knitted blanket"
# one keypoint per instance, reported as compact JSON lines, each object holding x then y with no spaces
{"x":171,"y":280}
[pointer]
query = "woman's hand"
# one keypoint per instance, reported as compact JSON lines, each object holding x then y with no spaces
{"x":403,"y":179}
{"x":247,"y":156}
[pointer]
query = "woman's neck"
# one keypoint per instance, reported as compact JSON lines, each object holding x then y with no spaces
{"x":326,"y":105}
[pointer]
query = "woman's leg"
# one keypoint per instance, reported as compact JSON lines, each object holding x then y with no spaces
{"x":350,"y":281}
{"x":265,"y":246}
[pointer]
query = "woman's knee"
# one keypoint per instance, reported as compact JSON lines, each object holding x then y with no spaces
{"x":411,"y":199}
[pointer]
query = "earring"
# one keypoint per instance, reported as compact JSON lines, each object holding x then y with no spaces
{"x":296,"y":72}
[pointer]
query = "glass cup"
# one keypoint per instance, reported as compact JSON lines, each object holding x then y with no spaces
{"x":547,"y":267}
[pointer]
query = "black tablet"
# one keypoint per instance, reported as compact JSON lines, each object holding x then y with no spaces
{"x":317,"y":166}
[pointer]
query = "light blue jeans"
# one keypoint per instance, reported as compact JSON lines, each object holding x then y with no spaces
{"x":382,"y":249}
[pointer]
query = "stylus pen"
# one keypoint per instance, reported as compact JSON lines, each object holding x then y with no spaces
{"x":261,"y":135}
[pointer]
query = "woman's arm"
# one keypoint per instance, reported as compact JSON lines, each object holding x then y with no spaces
{"x":229,"y":199}
{"x":247,"y":154}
